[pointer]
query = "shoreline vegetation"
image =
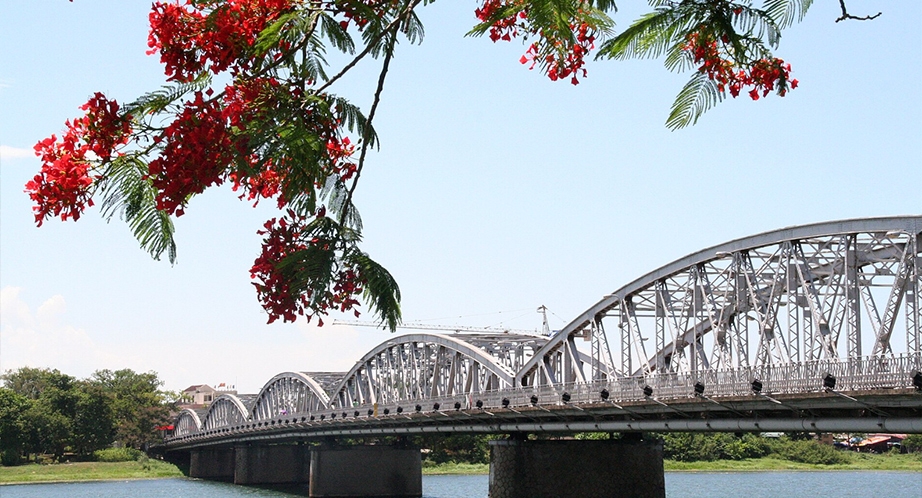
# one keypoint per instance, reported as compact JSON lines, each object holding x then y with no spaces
{"x":157,"y":469}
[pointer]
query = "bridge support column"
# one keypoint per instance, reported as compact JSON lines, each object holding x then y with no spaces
{"x":576,"y":469}
{"x":272,"y":464}
{"x":358,"y":471}
{"x":213,"y":464}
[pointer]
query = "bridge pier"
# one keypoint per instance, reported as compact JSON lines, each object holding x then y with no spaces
{"x":359,"y":471}
{"x":213,"y":464}
{"x":272,"y":464}
{"x":576,"y":469}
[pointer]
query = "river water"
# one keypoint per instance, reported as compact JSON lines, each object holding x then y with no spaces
{"x":840,"y":484}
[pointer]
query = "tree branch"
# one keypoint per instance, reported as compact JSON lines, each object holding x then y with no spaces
{"x":846,"y":16}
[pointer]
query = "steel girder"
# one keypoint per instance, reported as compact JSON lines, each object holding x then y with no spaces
{"x":423,"y":366}
{"x":289,"y":393}
{"x":815,"y":292}
{"x":187,"y":423}
{"x":227,"y":410}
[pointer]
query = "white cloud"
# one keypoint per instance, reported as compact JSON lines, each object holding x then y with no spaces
{"x":7,"y":152}
{"x":42,"y":339}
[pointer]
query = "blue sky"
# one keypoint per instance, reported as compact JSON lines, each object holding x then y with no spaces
{"x":495,"y":190}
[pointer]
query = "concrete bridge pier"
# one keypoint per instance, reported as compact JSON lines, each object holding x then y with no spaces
{"x":627,"y":468}
{"x":213,"y":464}
{"x":365,"y":471}
{"x":272,"y":464}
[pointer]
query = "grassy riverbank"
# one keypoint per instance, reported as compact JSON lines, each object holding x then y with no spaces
{"x":860,"y":461}
{"x":154,"y":469}
{"x":88,"y":471}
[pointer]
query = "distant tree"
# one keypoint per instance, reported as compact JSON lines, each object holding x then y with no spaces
{"x":13,"y":407}
{"x":48,"y":419}
{"x":31,"y":382}
{"x":139,"y":405}
{"x":913,"y":443}
{"x":94,"y":420}
{"x":49,"y":431}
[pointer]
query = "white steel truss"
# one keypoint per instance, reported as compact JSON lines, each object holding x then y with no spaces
{"x":227,"y":410}
{"x":424,"y":366}
{"x":821,"y":292}
{"x":289,"y":393}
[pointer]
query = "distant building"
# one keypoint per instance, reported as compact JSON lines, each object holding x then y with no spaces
{"x":203,"y":394}
{"x":879,"y":443}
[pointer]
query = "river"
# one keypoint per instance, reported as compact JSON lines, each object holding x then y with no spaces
{"x":839,"y":484}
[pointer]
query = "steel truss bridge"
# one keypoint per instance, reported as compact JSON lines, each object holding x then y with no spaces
{"x":810,"y":328}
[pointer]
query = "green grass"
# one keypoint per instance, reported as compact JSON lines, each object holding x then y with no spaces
{"x":88,"y":471}
{"x":860,"y":461}
{"x":455,"y":468}
{"x":153,"y":469}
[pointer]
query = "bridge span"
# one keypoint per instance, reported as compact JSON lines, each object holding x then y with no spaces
{"x":811,"y":328}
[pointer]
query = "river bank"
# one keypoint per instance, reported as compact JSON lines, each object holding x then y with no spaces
{"x":156,"y":469}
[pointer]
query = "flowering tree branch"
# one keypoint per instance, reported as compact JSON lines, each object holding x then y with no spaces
{"x":275,"y":131}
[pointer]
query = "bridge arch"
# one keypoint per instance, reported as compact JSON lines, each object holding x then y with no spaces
{"x":289,"y":393}
{"x":424,"y":366}
{"x":187,"y":423}
{"x":227,"y":410}
{"x":825,"y":291}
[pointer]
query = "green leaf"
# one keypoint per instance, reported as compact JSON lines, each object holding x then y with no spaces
{"x":698,"y":95}
{"x":158,"y":100}
{"x":381,"y":293}
{"x":126,"y":191}
{"x":786,"y":12}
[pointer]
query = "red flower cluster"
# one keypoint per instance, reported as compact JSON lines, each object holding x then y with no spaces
{"x":340,"y":153}
{"x":350,"y":11}
{"x":212,"y":33}
{"x":197,"y":153}
{"x":277,"y":289}
{"x":505,"y":28}
{"x":571,"y":64}
{"x":62,"y":187}
{"x":764,"y":75}
{"x":561,"y":58}
{"x":273,"y":287}
{"x":266,"y":184}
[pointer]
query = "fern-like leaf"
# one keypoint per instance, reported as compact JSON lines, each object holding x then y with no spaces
{"x":698,"y":95}
{"x":786,"y":12}
{"x":127,"y":192}
{"x":381,"y":293}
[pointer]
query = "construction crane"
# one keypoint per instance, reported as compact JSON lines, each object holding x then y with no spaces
{"x":458,"y":328}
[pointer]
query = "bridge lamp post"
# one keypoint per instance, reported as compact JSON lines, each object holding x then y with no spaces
{"x":917,"y":379}
{"x":648,"y":394}
{"x":829,"y":386}
{"x":699,"y":393}
{"x":757,"y":390}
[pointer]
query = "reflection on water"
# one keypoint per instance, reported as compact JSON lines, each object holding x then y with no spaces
{"x":678,"y":485}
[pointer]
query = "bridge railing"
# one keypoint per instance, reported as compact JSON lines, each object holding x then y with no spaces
{"x":857,"y":374}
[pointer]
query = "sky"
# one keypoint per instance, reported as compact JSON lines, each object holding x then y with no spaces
{"x":495,"y":190}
